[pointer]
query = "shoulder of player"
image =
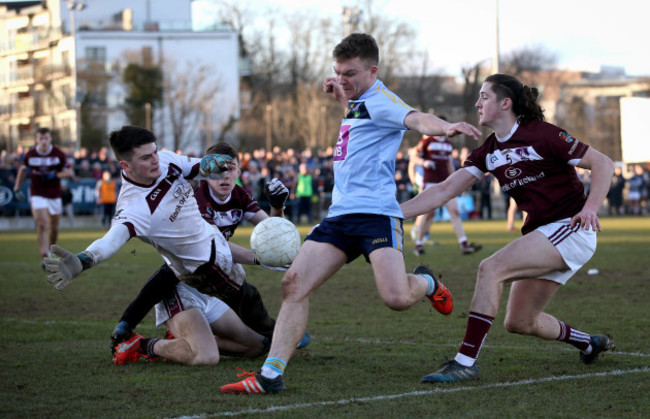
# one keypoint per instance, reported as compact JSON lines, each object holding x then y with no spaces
{"x":240,"y":195}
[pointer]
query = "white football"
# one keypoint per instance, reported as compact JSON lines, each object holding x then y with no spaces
{"x":275,"y":241}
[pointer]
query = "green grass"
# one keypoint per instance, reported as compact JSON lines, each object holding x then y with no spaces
{"x":364,"y":360}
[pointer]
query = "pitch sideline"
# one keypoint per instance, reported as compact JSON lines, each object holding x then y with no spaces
{"x":438,"y":390}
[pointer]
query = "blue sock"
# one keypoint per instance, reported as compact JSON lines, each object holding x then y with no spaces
{"x":432,"y":284}
{"x":273,"y":367}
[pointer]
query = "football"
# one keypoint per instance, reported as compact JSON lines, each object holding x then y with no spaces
{"x":275,"y":241}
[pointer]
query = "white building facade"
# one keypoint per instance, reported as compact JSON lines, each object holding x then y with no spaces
{"x":46,"y":52}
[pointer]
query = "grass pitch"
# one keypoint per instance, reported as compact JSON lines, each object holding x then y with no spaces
{"x":364,"y":360}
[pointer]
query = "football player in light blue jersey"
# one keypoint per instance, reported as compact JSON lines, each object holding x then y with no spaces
{"x":365,"y":217}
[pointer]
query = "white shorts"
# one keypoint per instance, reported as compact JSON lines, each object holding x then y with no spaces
{"x":186,"y":297}
{"x":634,"y":195}
{"x":53,"y":205}
{"x":576,"y":246}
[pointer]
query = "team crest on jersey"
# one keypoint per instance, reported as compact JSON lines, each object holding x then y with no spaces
{"x":566,"y":137}
{"x":357,"y":110}
{"x":209,"y":212}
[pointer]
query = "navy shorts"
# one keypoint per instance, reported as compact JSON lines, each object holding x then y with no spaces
{"x":360,"y":234}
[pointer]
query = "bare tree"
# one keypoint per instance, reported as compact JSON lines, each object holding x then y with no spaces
{"x":189,"y":94}
{"x":394,"y":37}
{"x":527,"y":59}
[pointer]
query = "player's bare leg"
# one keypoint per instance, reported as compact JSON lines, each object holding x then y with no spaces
{"x":397,"y":289}
{"x":194,"y":342}
{"x":424,"y":222}
{"x":526,"y":303}
{"x":234,"y":338}
{"x":315,"y":263}
{"x":459,"y":229}
{"x":42,"y":220}
{"x":54,"y":228}
{"x":530,"y":256}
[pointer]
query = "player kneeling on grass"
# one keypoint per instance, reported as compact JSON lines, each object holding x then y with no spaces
{"x":156,"y":204}
{"x":200,"y":329}
{"x":535,"y":163}
{"x":223,"y":204}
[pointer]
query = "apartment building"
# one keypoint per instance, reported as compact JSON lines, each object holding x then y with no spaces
{"x":51,"y":53}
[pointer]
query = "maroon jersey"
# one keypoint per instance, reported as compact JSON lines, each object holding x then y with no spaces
{"x":535,"y":167}
{"x":44,"y":168}
{"x":226,"y":215}
{"x":439,"y":151}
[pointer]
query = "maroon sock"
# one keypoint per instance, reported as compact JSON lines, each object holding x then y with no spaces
{"x":146,"y":346}
{"x":575,"y":337}
{"x":478,"y":326}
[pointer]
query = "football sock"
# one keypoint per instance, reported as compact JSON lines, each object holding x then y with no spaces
{"x":146,"y":346}
{"x":273,"y":367}
{"x":478,"y":326}
{"x":432,"y":286}
{"x":463,"y":242}
{"x":575,"y":337}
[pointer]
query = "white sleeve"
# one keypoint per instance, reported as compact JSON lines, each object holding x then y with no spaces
{"x":106,"y":246}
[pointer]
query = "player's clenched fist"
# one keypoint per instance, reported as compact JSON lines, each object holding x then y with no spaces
{"x":276,"y":193}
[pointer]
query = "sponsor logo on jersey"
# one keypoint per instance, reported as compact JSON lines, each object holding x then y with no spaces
{"x":43,"y":161}
{"x":512,"y":172}
{"x":341,"y":147}
{"x":522,"y":181}
{"x":511,"y":156}
{"x":181,"y":203}
{"x":178,"y":191}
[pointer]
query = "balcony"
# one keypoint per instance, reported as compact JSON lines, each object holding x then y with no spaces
{"x":31,"y":40}
{"x":50,"y":72}
{"x":25,"y":107}
{"x":20,"y":77}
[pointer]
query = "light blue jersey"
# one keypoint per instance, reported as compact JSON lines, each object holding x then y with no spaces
{"x":364,"y":156}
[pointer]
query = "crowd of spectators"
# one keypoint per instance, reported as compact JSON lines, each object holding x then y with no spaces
{"x":259,"y":166}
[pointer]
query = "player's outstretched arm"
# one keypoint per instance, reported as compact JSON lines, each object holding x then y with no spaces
{"x":437,"y":195}
{"x":429,"y":124}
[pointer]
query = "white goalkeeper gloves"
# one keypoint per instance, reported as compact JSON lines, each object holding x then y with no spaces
{"x":272,"y":268}
{"x":67,"y":266}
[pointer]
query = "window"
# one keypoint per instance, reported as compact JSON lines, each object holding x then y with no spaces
{"x":96,"y":54}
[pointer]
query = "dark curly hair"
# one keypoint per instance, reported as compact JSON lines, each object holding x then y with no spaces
{"x":524,"y":98}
